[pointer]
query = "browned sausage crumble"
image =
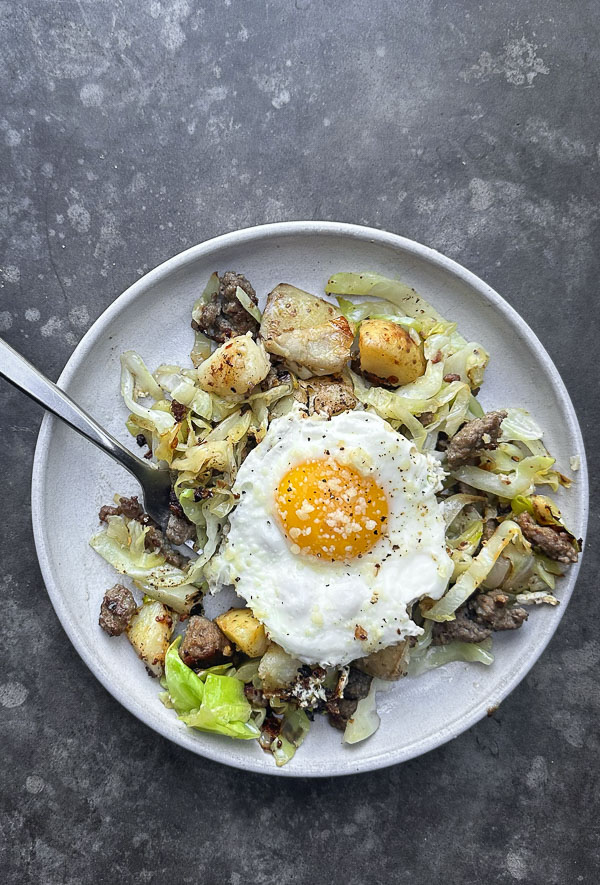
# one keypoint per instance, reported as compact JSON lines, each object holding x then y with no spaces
{"x":223,"y":316}
{"x":341,"y":710}
{"x":117,"y":609}
{"x":476,"y":436}
{"x":204,"y":644}
{"x":553,"y":540}
{"x":479,"y":617}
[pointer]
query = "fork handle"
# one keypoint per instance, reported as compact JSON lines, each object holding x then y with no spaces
{"x":25,"y":377}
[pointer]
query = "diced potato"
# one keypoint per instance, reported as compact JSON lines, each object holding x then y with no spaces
{"x":389,"y":663}
{"x":309,"y":333}
{"x":149,"y":632}
{"x":389,"y":354}
{"x":240,"y":625}
{"x":235,"y":367}
{"x":277,"y":669}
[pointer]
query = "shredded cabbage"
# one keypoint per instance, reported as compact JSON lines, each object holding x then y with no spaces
{"x":468,"y":540}
{"x":184,"y":687}
{"x":121,"y":545}
{"x":475,"y":409}
{"x":356,"y":312}
{"x":469,"y":362}
{"x":377,"y":286}
{"x":201,"y":350}
{"x":522,"y":481}
{"x":365,"y":719}
{"x":131,"y":563}
{"x":233,"y":428}
{"x":354,"y":283}
{"x":425,"y":387}
{"x":248,"y":304}
{"x":294,"y":728}
{"x":469,"y":581}
{"x":211,"y":289}
{"x":438,"y":655}
{"x":209,"y":536}
{"x":521,"y":563}
{"x":202,"y":345}
{"x":453,"y":505}
{"x":428,"y":394}
{"x":137,"y":381}
{"x":443,"y":339}
{"x":180,"y":385}
{"x":424,"y":656}
{"x":216,"y":455}
{"x":248,"y":671}
{"x":458,"y":412}
{"x":519,"y":425}
{"x":542,"y":508}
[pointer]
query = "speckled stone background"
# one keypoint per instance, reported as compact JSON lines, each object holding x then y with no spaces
{"x":130,"y":129}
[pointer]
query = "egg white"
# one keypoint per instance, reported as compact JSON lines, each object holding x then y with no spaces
{"x":310,"y":607}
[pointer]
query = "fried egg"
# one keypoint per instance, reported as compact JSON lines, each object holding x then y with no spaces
{"x":337,"y":531}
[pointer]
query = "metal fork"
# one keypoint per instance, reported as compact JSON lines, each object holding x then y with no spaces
{"x":155,"y":481}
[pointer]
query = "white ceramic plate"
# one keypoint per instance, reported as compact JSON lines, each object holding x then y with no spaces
{"x":71,"y":478}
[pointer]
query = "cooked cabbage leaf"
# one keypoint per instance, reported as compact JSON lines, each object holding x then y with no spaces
{"x":377,"y":286}
{"x":294,"y":728}
{"x":248,"y":304}
{"x":519,"y":425}
{"x":437,"y":655}
{"x":137,"y":381}
{"x":179,"y":384}
{"x":355,"y":312}
{"x":120,"y":545}
{"x":365,"y":720}
{"x":469,"y":581}
{"x":453,"y":505}
{"x":185,"y":688}
{"x":521,"y":481}
{"x":224,"y":709}
{"x":210,"y":701}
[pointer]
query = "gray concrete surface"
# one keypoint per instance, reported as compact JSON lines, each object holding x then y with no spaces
{"x":131,"y":129}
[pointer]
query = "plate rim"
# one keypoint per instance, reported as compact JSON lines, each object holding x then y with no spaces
{"x":237,"y":238}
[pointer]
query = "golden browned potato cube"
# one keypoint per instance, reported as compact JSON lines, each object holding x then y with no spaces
{"x":234,"y":368}
{"x":241,"y":627}
{"x":310,"y":334}
{"x":389,"y":354}
{"x":277,"y":669}
{"x":389,"y":663}
{"x":149,"y":632}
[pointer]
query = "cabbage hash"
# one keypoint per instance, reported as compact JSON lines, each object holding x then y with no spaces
{"x":332,"y":464}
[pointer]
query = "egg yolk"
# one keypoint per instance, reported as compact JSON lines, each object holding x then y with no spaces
{"x":330,"y":510}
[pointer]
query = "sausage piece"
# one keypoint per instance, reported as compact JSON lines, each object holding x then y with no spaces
{"x":179,"y":530}
{"x":479,"y":435}
{"x":462,"y":629}
{"x":329,"y":395}
{"x":223,"y":317}
{"x":341,"y":710}
{"x":127,"y":507}
{"x":117,"y":609}
{"x":481,"y":615}
{"x":554,"y":541}
{"x":491,"y":610}
{"x":204,"y":644}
